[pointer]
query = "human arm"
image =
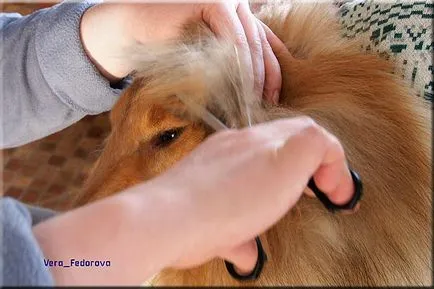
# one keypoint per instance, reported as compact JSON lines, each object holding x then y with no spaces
{"x":22,"y":261}
{"x":48,"y":82}
{"x":65,"y":62}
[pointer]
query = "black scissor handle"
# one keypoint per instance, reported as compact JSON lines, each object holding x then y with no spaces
{"x":358,"y":192}
{"x":262,"y":258}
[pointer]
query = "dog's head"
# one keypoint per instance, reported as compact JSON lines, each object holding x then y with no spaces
{"x":152,"y":127}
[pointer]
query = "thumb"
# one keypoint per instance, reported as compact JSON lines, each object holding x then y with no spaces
{"x":243,"y":257}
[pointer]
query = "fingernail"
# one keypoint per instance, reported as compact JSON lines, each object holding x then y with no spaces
{"x":275,"y":97}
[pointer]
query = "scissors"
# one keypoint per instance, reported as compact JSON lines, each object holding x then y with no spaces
{"x":218,"y":125}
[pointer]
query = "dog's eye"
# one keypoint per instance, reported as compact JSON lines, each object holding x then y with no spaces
{"x":167,"y":137}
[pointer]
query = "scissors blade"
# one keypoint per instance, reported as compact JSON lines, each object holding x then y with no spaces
{"x":203,"y":113}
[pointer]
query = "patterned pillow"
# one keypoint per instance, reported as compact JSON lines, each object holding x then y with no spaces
{"x":400,"y":30}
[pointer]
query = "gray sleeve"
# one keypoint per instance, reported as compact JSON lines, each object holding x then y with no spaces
{"x":47,"y":81}
{"x":22,"y":262}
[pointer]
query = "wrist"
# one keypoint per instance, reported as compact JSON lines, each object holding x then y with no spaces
{"x":134,"y":231}
{"x":88,"y":233}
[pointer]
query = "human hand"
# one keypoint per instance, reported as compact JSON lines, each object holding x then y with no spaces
{"x":108,"y":30}
{"x":237,"y":184}
{"x":213,"y":203}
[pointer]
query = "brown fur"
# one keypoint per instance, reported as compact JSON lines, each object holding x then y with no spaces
{"x":384,"y":129}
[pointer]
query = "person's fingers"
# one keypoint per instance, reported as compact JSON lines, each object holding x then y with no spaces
{"x":276,"y":44}
{"x":308,"y":192}
{"x":244,"y":257}
{"x":255,"y":6}
{"x":332,"y":175}
{"x":273,"y":76}
{"x":255,"y":46}
{"x":225,"y":23}
{"x":335,"y":179}
{"x":305,"y":149}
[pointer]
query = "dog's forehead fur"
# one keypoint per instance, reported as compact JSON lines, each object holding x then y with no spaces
{"x":207,"y":71}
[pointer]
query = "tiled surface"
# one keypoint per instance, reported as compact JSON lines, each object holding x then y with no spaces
{"x":24,"y":8}
{"x":49,"y":171}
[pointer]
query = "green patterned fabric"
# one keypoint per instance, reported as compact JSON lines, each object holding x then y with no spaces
{"x":399,"y":30}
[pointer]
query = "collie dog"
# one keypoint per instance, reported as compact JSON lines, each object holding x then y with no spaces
{"x":384,"y":127}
